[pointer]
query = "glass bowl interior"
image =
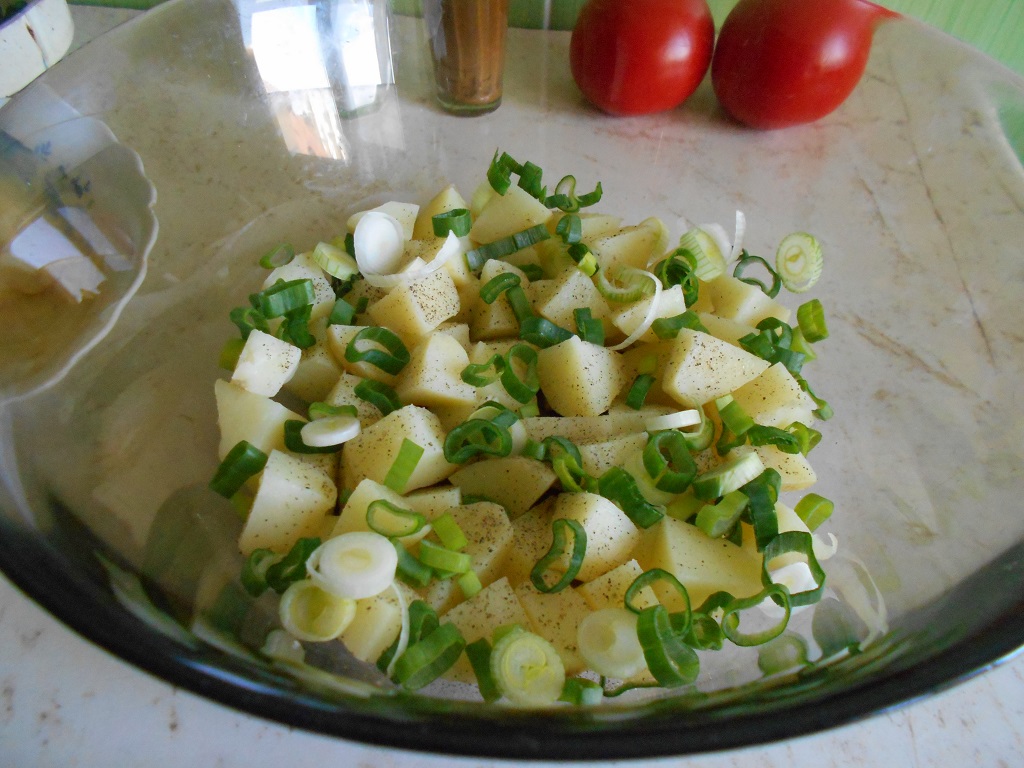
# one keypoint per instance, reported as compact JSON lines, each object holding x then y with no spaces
{"x":915,"y":187}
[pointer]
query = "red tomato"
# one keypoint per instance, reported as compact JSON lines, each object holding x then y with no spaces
{"x":635,"y":57}
{"x":786,"y":62}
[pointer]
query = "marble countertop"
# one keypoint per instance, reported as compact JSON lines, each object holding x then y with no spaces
{"x":64,"y":702}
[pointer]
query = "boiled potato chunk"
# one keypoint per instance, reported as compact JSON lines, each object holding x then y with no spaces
{"x":372,"y":452}
{"x":292,"y":500}
{"x":514,"y":482}
{"x":632,"y":246}
{"x":736,"y":300}
{"x":794,"y":468}
{"x":302,"y":267}
{"x":598,"y":458}
{"x":555,"y":616}
{"x":592,"y":429}
{"x":243,"y":415}
{"x":412,"y":310}
{"x":344,"y":393}
{"x":495,"y":320}
{"x":448,"y":199}
{"x":611,"y":535}
{"x":726,"y":330}
{"x":567,"y":293}
{"x":700,"y":368}
{"x":504,"y":215}
{"x":670,"y":303}
{"x":775,"y":399}
{"x":377,"y":622}
{"x":353,"y":514}
{"x":265,"y":364}
{"x":433,"y":376}
{"x":704,"y":565}
{"x":609,"y":589}
{"x":496,"y":605}
{"x":579,"y":378}
{"x":338,"y":339}
{"x":531,"y":539}
{"x":434,"y":501}
{"x":316,"y":374}
{"x":488,"y":535}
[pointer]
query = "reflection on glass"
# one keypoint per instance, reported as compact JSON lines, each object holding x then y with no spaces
{"x":319,"y":62}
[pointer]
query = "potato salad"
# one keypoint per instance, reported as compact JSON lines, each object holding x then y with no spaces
{"x":516,"y":442}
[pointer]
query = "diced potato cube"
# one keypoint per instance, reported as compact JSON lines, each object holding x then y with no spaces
{"x":434,"y":501}
{"x":504,"y":215}
{"x":592,"y":429}
{"x":701,"y":368}
{"x":372,"y":452}
{"x":488,"y":534}
{"x":448,"y":199}
{"x":495,"y":320}
{"x":243,"y":415}
{"x":291,"y":501}
{"x":318,"y":370}
{"x":353,"y":514}
{"x":377,"y":622}
{"x":609,"y":589}
{"x":724,"y":329}
{"x":344,"y":393}
{"x":794,"y":468}
{"x":704,"y":565}
{"x":514,"y":482}
{"x":611,"y":535}
{"x":458,"y":331}
{"x":555,"y":616}
{"x":629,"y":318}
{"x":736,"y":300}
{"x":433,"y":375}
{"x":568,"y":292}
{"x":632,"y":246}
{"x":775,"y":399}
{"x":338,"y":339}
{"x":531,"y":539}
{"x":412,"y":310}
{"x":265,"y":364}
{"x":496,"y":605}
{"x":579,"y":378}
{"x":598,"y":458}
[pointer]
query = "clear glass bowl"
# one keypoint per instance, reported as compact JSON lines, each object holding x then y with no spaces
{"x":915,"y":187}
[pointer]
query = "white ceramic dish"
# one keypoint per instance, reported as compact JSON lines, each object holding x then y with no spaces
{"x":31,"y":41}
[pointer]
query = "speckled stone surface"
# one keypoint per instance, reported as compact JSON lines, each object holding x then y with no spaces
{"x":64,"y":702}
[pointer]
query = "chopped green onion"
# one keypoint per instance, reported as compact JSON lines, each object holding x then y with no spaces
{"x":799,"y":261}
{"x":731,"y":616}
{"x":625,"y":284}
{"x":744,"y":261}
{"x":699,"y":439}
{"x":356,"y":564}
{"x":378,"y":394}
{"x":443,"y":559}
{"x":230,"y":353}
{"x":294,"y":327}
{"x":801,"y":543}
{"x":469,"y":583}
{"x":833,"y":628}
{"x":422,"y":621}
{"x":680,"y":619}
{"x":521,"y":388}
{"x":588,"y":328}
{"x":529,"y":180}
{"x":566,"y":199}
{"x":391,"y":359}
{"x":482,"y":374}
{"x":569,"y":228}
{"x":277,"y":256}
{"x":506,"y":246}
{"x":456,"y":220}
{"x":242,"y":462}
{"x":542,"y":333}
{"x":671,"y":661}
{"x":617,"y":485}
{"x":409,"y":455}
{"x":292,"y":567}
{"x":248,"y":320}
{"x":718,"y":519}
{"x":581,"y":692}
{"x":734,"y":472}
{"x":782,"y":653}
{"x":668,"y":461}
{"x":584,"y":258}
{"x":393,"y":521}
{"x":532,"y":271}
{"x":609,"y":644}
{"x":411,"y":570}
{"x":254,"y":570}
{"x":684,"y":506}
{"x":497,"y":285}
{"x":293,"y":439}
{"x":479,"y":654}
{"x":449,"y":532}
{"x":806,"y":437}
{"x":527,"y":669}
{"x":708,"y":259}
{"x":310,"y":612}
{"x":319,"y":410}
{"x":668,"y":327}
{"x":335,"y":261}
{"x":814,"y":510}
{"x":475,"y":437}
{"x":571,"y":475}
{"x":557,"y":552}
{"x":824,"y":410}
{"x":499,"y":173}
{"x":638,"y":391}
{"x":762,"y":493}
{"x":284,"y":296}
{"x":342,"y":313}
{"x":425,"y":661}
{"x":677,"y":269}
{"x":810,"y":316}
{"x":784,"y":440}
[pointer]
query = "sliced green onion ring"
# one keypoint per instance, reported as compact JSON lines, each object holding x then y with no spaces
{"x":499,"y":173}
{"x":482,"y":374}
{"x":527,"y":669}
{"x":441,"y":558}
{"x":294,"y":441}
{"x":668,"y":327}
{"x":810,"y":316}
{"x":638,"y":393}
{"x":625,"y":285}
{"x":557,"y":552}
{"x":378,"y":394}
{"x":617,"y":485}
{"x":802,"y":543}
{"x":277,"y":256}
{"x":475,"y":437}
{"x":668,"y":461}
{"x":569,"y":228}
{"x":542,"y":333}
{"x":242,"y":462}
{"x":799,"y":261}
{"x":431,"y":657}
{"x":709,"y":261}
{"x":479,"y":654}
{"x":506,"y":246}
{"x":525,"y":387}
{"x":321,"y":410}
{"x":607,"y":640}
{"x":672,"y":662}
{"x":680,"y":619}
{"x":690,"y":417}
{"x":391,"y":359}
{"x":731,"y":616}
{"x":357,"y":564}
{"x":393,"y":521}
{"x":456,"y":221}
{"x":284,"y":296}
{"x":746,"y":260}
{"x":762,"y":493}
{"x":311,"y":613}
{"x":405,"y":463}
{"x":718,"y":519}
{"x":335,"y":261}
{"x":497,"y":285}
{"x":814,"y":510}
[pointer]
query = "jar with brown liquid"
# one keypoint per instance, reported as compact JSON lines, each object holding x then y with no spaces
{"x":467,"y":44}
